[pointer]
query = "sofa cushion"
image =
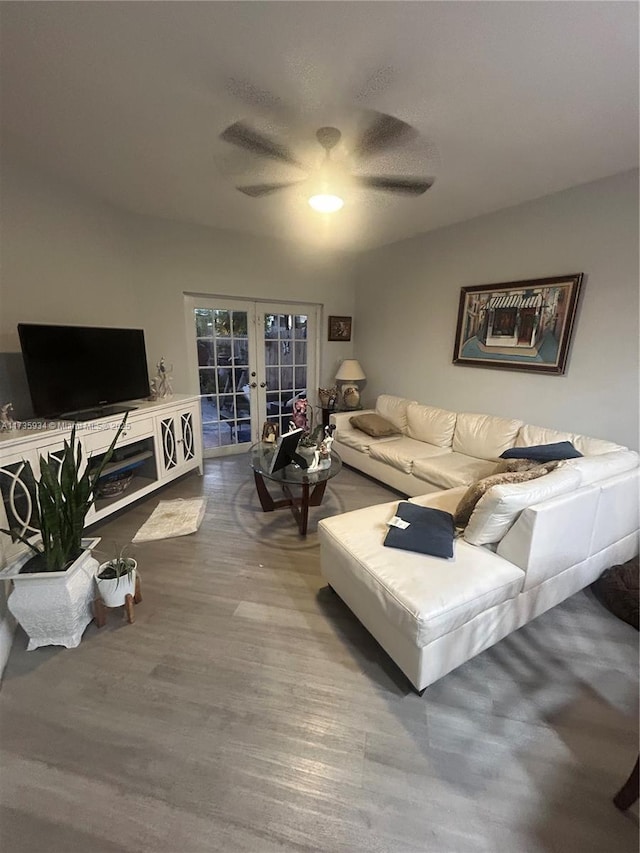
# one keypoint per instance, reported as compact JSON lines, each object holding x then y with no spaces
{"x":403,"y":452}
{"x":451,"y":470}
{"x":532,"y":435}
{"x":429,"y":531}
{"x":424,"y":597}
{"x":529,"y":435}
{"x":359,"y":440}
{"x":484,"y":436}
{"x":501,"y":505}
{"x":595,"y":446}
{"x":477,"y":490}
{"x":394,"y":410}
{"x":543,"y":452}
{"x":603,"y":466}
{"x":447,"y":499}
{"x":426,"y":423}
{"x":373,"y":425}
{"x":551,"y":537}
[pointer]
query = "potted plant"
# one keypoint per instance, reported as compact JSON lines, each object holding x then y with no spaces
{"x":117,"y":578}
{"x":311,"y":436}
{"x":53,"y":581}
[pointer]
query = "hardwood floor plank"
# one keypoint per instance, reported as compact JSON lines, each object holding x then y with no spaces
{"x":247,"y":711}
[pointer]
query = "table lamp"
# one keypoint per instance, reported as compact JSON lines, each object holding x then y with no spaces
{"x":348,"y":373}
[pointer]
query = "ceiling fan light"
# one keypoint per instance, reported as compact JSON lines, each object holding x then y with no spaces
{"x":326,"y":203}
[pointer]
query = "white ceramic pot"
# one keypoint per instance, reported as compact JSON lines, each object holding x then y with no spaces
{"x":113,"y":591}
{"x":54,"y":608}
{"x":307,"y":452}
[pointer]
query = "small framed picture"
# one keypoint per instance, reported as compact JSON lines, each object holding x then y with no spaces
{"x":270,"y":432}
{"x":339,"y":328}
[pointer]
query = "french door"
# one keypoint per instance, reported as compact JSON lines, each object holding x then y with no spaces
{"x":252,"y":360}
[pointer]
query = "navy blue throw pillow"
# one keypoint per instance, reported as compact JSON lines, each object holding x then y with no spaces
{"x":543,"y":452}
{"x":430,"y":531}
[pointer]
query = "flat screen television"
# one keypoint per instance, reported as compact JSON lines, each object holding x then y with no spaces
{"x":82,"y":371}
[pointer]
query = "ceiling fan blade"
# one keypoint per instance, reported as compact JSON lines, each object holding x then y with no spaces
{"x":408,"y":186}
{"x":243,"y":136}
{"x":384,"y":132}
{"x":259,"y":190}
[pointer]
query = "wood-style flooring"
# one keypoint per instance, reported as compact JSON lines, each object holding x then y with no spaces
{"x":248,"y":710}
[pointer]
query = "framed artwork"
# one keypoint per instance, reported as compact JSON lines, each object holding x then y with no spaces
{"x":518,"y":325}
{"x":339,"y":328}
{"x":270,"y":432}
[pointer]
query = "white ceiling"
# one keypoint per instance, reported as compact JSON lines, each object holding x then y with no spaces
{"x":512,"y":100}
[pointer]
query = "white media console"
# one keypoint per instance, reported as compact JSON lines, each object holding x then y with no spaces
{"x":162,"y":440}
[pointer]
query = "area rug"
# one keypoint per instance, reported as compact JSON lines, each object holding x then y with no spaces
{"x":172,"y":518}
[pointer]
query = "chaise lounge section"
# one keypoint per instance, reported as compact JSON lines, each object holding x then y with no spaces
{"x":527,"y":547}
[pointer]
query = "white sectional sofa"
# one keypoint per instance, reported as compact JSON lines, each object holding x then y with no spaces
{"x":527,"y":546}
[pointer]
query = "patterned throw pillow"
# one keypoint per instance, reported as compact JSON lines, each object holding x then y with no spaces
{"x":373,"y":425}
{"x":477,"y":490}
{"x":505,"y":465}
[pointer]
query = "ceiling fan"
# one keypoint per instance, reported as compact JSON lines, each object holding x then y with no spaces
{"x":383,"y":133}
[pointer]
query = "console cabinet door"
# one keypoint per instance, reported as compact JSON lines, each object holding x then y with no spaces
{"x":178,"y":436}
{"x":17,"y":492}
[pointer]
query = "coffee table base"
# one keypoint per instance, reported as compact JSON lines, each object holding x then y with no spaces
{"x":299,"y":506}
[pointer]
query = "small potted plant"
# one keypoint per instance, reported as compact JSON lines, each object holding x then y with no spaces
{"x":303,"y":418}
{"x":117,"y":578}
{"x":309,"y":442}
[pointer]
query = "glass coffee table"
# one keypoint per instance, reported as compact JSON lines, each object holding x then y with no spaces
{"x":312,"y":485}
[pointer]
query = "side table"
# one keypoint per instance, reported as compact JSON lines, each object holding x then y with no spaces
{"x":326,"y":413}
{"x":312,"y":485}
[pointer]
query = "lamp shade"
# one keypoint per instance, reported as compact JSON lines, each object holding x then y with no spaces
{"x":350,"y":371}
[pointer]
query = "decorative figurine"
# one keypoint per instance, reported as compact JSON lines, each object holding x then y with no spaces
{"x":161,"y":385}
{"x":6,"y":419}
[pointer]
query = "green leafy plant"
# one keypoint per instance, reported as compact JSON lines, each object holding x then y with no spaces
{"x":118,"y":566}
{"x":63,"y":497}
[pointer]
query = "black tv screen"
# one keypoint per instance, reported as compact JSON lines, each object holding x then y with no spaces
{"x":71,"y":368}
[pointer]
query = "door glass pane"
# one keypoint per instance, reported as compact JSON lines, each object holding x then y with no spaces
{"x":206,"y":354}
{"x":285,"y":346}
{"x":239,"y":324}
{"x":223,"y":359}
{"x":204,"y":322}
{"x":286,"y":352}
{"x":300,"y":326}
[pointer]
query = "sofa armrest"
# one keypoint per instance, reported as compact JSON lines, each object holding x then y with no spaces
{"x":447,"y":499}
{"x":341,"y":419}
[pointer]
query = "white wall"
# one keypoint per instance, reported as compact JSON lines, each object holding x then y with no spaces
{"x":173,"y":258}
{"x":407,"y":303}
{"x":65,"y":257}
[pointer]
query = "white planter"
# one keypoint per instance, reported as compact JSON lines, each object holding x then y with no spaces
{"x":54,"y":608}
{"x":307,"y":452}
{"x":113,"y":591}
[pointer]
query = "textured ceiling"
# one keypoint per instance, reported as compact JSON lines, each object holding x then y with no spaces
{"x":512,"y":101}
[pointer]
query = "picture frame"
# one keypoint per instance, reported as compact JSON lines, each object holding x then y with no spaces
{"x":518,"y":325}
{"x":270,"y":432}
{"x":339,"y":328}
